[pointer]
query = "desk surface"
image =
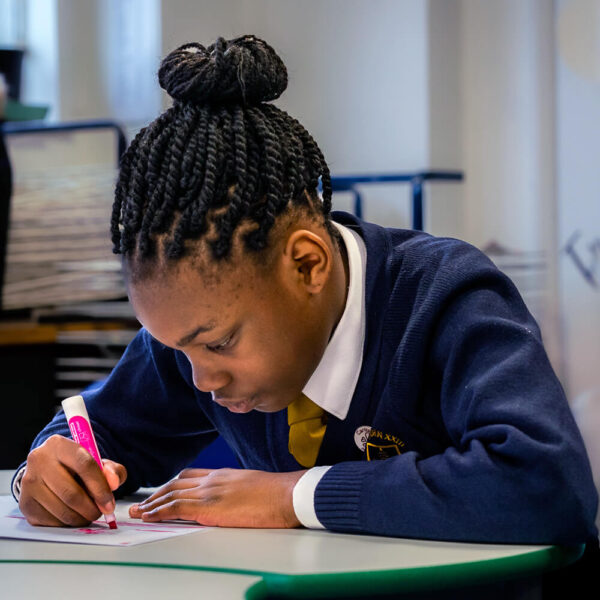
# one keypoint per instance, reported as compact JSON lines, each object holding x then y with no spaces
{"x":297,"y":561}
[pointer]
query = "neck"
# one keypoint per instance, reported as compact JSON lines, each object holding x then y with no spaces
{"x":341,"y":283}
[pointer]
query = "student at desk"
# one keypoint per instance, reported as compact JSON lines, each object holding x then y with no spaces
{"x":368,"y":379}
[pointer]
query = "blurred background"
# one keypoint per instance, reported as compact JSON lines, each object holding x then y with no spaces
{"x":476,"y":119}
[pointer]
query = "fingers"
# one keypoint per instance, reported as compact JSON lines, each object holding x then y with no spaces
{"x":115,"y":473}
{"x":49,"y":510}
{"x":175,"y":484}
{"x":173,"y":490}
{"x":80,"y":462}
{"x":68,"y":499}
{"x":179,"y":484}
{"x":63,"y":485}
{"x":37,"y":514}
{"x":182,"y":508}
{"x":188,"y":473}
{"x":225,"y":497}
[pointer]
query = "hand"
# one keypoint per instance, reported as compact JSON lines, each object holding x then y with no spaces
{"x":225,"y":498}
{"x":63,"y":485}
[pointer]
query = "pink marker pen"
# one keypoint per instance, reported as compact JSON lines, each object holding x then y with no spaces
{"x":81,"y":430}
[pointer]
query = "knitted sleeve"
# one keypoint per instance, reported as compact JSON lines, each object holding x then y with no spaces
{"x":516,"y":470}
{"x":145,"y":416}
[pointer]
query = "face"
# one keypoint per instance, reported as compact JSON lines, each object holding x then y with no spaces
{"x":252,"y":337}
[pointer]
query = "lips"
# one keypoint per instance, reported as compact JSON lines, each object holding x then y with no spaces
{"x":236,"y":406}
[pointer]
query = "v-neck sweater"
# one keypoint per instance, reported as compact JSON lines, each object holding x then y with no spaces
{"x":482,"y":443}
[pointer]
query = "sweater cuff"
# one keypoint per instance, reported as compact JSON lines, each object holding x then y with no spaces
{"x":304,"y":497}
{"x":337,"y":497}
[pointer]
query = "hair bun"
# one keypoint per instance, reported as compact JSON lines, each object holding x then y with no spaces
{"x":245,"y":70}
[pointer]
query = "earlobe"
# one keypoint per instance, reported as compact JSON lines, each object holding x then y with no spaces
{"x":311,"y":259}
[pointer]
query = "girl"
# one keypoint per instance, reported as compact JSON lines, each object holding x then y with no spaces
{"x":368,"y":379}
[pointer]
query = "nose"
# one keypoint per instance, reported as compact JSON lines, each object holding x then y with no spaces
{"x":208,"y":379}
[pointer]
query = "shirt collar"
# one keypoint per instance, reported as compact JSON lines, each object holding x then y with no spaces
{"x":332,"y":384}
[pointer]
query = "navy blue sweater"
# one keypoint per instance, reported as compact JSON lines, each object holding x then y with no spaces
{"x":482,"y":445}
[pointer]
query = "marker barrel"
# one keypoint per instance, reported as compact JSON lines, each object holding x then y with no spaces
{"x":81,"y":430}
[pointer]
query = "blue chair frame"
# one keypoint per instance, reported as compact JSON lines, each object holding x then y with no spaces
{"x":349,"y":183}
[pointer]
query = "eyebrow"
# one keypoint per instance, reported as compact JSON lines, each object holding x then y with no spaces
{"x":186,"y":339}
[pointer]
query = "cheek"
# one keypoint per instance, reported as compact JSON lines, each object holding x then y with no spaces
{"x":267,"y":359}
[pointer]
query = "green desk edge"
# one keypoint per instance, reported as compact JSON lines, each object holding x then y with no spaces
{"x":388,"y":581}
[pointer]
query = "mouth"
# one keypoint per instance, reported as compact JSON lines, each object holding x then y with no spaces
{"x":235,"y":406}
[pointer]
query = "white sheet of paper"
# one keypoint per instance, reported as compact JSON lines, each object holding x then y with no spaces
{"x":130,"y":532}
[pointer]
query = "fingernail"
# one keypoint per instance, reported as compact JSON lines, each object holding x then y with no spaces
{"x":109,"y":507}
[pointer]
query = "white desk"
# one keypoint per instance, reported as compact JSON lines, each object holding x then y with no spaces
{"x":286,"y":562}
{"x":99,"y":582}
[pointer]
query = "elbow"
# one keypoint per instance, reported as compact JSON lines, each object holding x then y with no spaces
{"x":563,"y":513}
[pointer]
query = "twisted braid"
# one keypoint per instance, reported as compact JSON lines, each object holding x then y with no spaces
{"x":218,"y":158}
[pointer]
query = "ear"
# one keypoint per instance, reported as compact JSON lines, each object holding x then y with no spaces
{"x":308,"y":260}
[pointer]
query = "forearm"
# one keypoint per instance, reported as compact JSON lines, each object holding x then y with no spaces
{"x":475,"y":496}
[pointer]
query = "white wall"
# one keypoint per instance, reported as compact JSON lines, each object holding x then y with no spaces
{"x":508,"y":121}
{"x":383,"y":85}
{"x":444,"y":204}
{"x":578,"y":120}
{"x":508,"y":135}
{"x":357,"y":77}
{"x":360,"y":77}
{"x":93,"y":59}
{"x":40,"y":79}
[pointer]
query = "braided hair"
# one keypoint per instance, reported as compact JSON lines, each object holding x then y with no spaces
{"x":219,"y":158}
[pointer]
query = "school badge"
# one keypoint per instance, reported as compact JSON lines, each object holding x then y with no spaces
{"x":382,"y":445}
{"x":361,"y":435}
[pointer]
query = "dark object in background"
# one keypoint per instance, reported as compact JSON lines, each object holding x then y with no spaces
{"x":11,"y":61}
{"x":579,"y":580}
{"x":27,"y":380}
{"x":5,"y":193}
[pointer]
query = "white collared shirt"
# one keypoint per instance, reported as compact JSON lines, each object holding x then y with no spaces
{"x":332,"y":384}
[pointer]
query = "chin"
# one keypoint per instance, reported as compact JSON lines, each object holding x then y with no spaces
{"x":271,"y":407}
{"x":268,"y":409}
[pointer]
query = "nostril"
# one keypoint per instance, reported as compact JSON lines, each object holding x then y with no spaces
{"x":209,"y":382}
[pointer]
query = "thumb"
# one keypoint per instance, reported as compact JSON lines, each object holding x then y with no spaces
{"x":115,"y":473}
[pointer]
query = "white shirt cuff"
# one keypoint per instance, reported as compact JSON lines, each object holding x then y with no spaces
{"x":304,"y":497}
{"x":16,"y":485}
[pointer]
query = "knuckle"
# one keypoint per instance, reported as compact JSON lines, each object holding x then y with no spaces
{"x":70,"y":496}
{"x":29,"y":479}
{"x":53,"y":441}
{"x":33,"y":457}
{"x":171,"y":496}
{"x":47,"y":448}
{"x":83,"y":459}
{"x":172,"y":506}
{"x":33,"y":520}
{"x":70,"y":518}
{"x":27,"y":505}
{"x":212,"y":497}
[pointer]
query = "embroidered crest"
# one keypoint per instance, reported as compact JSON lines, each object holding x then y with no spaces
{"x":361,"y":435}
{"x":382,"y":445}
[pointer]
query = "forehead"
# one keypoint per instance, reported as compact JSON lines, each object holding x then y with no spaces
{"x":187,"y":293}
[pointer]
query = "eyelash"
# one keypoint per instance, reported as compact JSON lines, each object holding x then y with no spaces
{"x":220,"y":346}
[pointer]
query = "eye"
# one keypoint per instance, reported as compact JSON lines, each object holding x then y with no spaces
{"x":220,"y":346}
